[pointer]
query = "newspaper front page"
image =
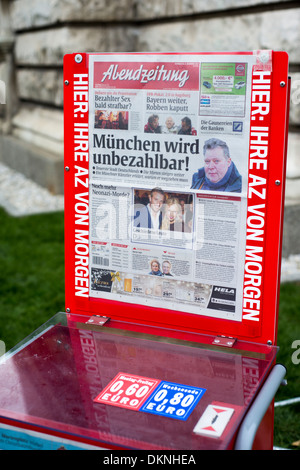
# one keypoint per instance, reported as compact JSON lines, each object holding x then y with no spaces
{"x":169,"y":145}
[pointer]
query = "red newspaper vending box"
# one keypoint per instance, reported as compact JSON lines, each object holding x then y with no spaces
{"x":174,"y":197}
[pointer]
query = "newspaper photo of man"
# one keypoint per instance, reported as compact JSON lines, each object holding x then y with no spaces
{"x":219,"y":172}
{"x":150,"y":215}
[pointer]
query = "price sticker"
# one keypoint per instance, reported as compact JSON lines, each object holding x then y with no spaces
{"x":173,"y":400}
{"x":127,"y":391}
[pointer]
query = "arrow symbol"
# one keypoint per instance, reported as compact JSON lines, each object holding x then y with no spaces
{"x":214,"y":419}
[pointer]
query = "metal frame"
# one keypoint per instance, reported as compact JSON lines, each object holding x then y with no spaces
{"x":251,"y":422}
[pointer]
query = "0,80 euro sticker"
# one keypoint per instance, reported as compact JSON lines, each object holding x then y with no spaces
{"x":151,"y":396}
{"x":173,"y":400}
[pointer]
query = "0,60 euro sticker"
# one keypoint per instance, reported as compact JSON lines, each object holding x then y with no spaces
{"x":151,"y":396}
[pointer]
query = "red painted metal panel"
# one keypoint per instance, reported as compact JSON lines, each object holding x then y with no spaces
{"x":76,"y":220}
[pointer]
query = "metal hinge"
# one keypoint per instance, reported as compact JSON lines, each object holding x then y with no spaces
{"x":97,"y":320}
{"x":226,"y":341}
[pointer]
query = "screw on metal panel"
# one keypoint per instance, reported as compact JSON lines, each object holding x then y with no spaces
{"x":67,"y":168}
{"x":269,"y":342}
{"x":282,"y":84}
{"x":78,"y":58}
{"x":67,"y":82}
{"x":68,"y":310}
{"x":277,"y":182}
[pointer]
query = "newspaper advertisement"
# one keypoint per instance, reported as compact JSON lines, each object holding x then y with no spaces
{"x":169,"y":144}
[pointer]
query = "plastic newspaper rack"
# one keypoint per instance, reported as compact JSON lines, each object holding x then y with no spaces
{"x":174,"y":196}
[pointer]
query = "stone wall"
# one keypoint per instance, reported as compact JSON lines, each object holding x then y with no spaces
{"x":45,"y":30}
